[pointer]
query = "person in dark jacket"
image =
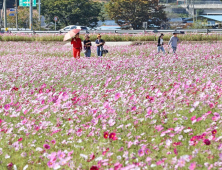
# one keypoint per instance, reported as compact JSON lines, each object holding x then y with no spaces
{"x":160,"y":44}
{"x":99,"y":43}
{"x":87,"y":46}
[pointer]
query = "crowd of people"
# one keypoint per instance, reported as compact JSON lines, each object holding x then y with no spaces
{"x":77,"y":45}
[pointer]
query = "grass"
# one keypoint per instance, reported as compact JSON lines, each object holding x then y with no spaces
{"x":112,"y":37}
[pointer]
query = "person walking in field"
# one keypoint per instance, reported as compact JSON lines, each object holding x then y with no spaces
{"x":173,"y":42}
{"x":99,"y":43}
{"x":77,"y":46}
{"x":87,"y":46}
{"x":160,"y":44}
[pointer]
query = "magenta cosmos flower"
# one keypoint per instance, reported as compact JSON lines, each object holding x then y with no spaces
{"x":207,"y":141}
{"x":94,"y":168}
{"x":7,"y":106}
{"x":214,"y":132}
{"x":105,"y":135}
{"x":20,"y":139}
{"x":46,"y":146}
{"x":112,"y":136}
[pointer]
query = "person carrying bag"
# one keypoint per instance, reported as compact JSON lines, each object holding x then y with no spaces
{"x":99,"y":43}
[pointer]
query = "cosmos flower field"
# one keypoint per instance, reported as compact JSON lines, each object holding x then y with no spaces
{"x":131,"y":109}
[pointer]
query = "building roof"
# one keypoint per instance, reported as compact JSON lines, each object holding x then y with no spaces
{"x":213,"y":17}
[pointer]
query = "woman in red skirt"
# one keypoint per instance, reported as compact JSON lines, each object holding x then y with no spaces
{"x":77,"y":46}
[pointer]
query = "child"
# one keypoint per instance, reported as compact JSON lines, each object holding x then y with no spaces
{"x":160,"y":44}
{"x":173,"y":42}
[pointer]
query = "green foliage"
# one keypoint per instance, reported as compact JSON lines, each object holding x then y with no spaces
{"x":103,"y":14}
{"x":114,"y":37}
{"x":135,"y":12}
{"x":23,"y":19}
{"x":72,"y":12}
{"x":199,"y":24}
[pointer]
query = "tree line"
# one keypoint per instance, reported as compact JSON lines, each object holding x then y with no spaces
{"x":89,"y":12}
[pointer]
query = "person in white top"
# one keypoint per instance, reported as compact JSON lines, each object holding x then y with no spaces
{"x":160,"y":44}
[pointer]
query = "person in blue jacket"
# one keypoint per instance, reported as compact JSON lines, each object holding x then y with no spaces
{"x":173,"y":42}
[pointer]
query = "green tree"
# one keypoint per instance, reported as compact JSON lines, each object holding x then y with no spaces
{"x":23,"y":19}
{"x":103,"y":14}
{"x":135,"y":12}
{"x":72,"y":12}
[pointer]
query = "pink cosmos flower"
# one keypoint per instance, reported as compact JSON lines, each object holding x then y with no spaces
{"x":46,"y":146}
{"x":149,"y":112}
{"x":220,"y":155}
{"x":199,"y":119}
{"x":51,"y":164}
{"x":193,"y":118}
{"x":53,"y":141}
{"x":61,"y":155}
{"x":133,"y":108}
{"x":117,"y":96}
{"x":52,"y":156}
{"x":181,"y":162}
{"x":140,"y":152}
{"x":70,"y":153}
{"x":7,"y":106}
{"x":192,"y":166}
{"x":148,"y":159}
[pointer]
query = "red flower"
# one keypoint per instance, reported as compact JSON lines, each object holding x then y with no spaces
{"x":214,"y":132}
{"x":15,"y":88}
{"x":112,"y":136}
{"x":105,"y":135}
{"x":207,"y":141}
{"x":94,"y":168}
{"x":20,"y":139}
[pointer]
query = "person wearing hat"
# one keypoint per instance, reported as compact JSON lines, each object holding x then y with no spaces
{"x":173,"y":42}
{"x":160,"y":44}
{"x":99,"y":43}
{"x":77,"y":46}
{"x":87,"y":46}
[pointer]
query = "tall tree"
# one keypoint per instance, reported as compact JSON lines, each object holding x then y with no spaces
{"x":135,"y":12}
{"x":23,"y":19}
{"x":72,"y":12}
